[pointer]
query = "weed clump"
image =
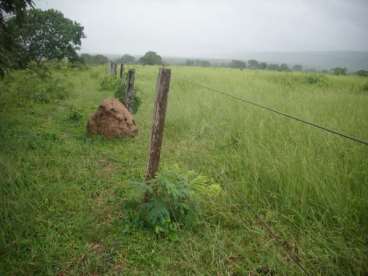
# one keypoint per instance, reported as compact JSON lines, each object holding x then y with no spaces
{"x":316,"y":79}
{"x":172,"y":200}
{"x":109,"y":83}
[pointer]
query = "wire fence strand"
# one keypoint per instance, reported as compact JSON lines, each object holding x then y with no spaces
{"x":264,"y":107}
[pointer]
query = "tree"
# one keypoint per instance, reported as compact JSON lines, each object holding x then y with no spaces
{"x":94,"y":59}
{"x":284,"y":67}
{"x":15,"y":9}
{"x":273,"y":66}
{"x":262,"y":65}
{"x":189,"y":62}
{"x":297,"y":67}
{"x":127,"y":59}
{"x":362,"y":73}
{"x":151,"y":58}
{"x":339,"y":71}
{"x":252,"y":64}
{"x":46,"y":35}
{"x":238,"y":64}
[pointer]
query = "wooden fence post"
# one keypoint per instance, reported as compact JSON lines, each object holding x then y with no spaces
{"x":121,"y":71}
{"x":114,"y":69}
{"x":129,"y":95}
{"x":162,"y":91}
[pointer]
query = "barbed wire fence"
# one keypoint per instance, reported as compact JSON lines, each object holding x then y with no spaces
{"x":284,"y":244}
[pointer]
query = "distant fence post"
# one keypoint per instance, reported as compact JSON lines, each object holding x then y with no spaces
{"x":121,"y":71}
{"x":162,"y":91}
{"x":129,"y":95}
{"x":114,"y":69}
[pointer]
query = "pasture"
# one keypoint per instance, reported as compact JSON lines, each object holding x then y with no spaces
{"x":62,"y":192}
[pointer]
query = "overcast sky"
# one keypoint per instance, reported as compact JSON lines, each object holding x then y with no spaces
{"x":217,"y":28}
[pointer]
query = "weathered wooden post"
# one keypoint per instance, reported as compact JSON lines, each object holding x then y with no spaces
{"x":129,"y":95}
{"x":121,"y":71}
{"x":162,"y":91}
{"x":114,"y":69}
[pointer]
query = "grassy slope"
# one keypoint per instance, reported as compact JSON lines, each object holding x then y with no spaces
{"x":62,"y":192}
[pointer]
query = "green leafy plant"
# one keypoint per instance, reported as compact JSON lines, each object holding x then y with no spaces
{"x":120,"y":93}
{"x":110,"y":83}
{"x":170,"y":201}
{"x":316,"y":79}
{"x":34,"y":85}
{"x":75,"y":115}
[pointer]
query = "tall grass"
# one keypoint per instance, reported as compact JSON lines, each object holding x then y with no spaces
{"x":62,"y":192}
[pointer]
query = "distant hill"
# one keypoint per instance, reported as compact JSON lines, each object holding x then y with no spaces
{"x":353,"y":61}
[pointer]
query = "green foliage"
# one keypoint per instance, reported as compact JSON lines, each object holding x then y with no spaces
{"x":126,"y":59}
{"x":173,"y":200}
{"x":238,"y":64}
{"x":45,"y":35}
{"x":362,"y":73}
{"x":36,"y":84}
{"x":339,"y":71}
{"x":365,"y":87}
{"x":120,"y":94}
{"x":151,"y":58}
{"x":316,"y":79}
{"x":94,"y":59}
{"x":75,"y":115}
{"x":110,"y":83}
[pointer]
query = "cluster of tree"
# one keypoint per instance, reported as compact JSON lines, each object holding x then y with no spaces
{"x":198,"y":62}
{"x":34,"y":35}
{"x":362,"y":73}
{"x":94,"y":59}
{"x":127,"y":59}
{"x":151,"y":58}
{"x":254,"y":64}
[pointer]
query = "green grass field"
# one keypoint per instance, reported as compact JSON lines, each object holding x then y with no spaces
{"x":62,"y":192}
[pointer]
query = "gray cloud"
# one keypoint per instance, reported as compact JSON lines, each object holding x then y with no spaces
{"x":217,"y":28}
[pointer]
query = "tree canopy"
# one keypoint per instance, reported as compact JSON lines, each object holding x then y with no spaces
{"x":46,"y":35}
{"x":151,"y":58}
{"x":127,"y":59}
{"x":94,"y":59}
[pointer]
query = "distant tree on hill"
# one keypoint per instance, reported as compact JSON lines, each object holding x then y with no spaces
{"x":273,"y":66}
{"x":189,"y":62}
{"x":127,"y":59}
{"x":362,"y":73}
{"x":262,"y":65}
{"x":46,"y":35}
{"x":151,"y":58}
{"x":284,"y":67}
{"x":253,"y":64}
{"x":94,"y":59}
{"x":238,"y":64}
{"x":297,"y":67}
{"x":339,"y":71}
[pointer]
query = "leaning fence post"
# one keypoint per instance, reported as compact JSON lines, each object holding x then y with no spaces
{"x":162,"y":91}
{"x":129,"y":95}
{"x":121,"y":71}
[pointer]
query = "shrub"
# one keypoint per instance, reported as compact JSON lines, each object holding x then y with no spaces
{"x":110,"y":83}
{"x":316,"y":79}
{"x":365,"y":87}
{"x":173,"y":200}
{"x":120,"y":94}
{"x":75,"y":115}
{"x":35,"y":84}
